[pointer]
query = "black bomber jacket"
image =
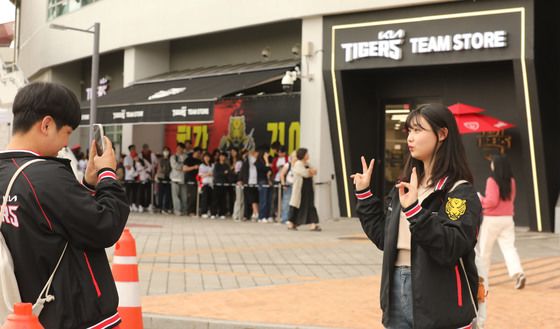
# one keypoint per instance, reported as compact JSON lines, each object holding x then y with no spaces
{"x":48,"y":207}
{"x":443,"y":229}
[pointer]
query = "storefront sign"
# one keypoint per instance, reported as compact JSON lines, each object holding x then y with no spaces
{"x":389,"y":44}
{"x":153,"y":113}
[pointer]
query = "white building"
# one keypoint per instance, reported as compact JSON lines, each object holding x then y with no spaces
{"x":151,"y":38}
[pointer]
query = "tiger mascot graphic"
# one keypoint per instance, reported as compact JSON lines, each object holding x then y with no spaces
{"x":455,"y":208}
{"x":237,"y":137}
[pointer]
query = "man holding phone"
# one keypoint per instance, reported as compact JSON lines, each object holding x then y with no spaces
{"x":48,"y":208}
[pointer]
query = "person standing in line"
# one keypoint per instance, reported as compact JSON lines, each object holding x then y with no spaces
{"x":248,"y":177}
{"x":52,"y":214}
{"x":151,"y":163}
{"x":497,"y":225}
{"x":131,"y":178}
{"x":236,"y":163}
{"x":302,"y":200}
{"x":205,"y":171}
{"x":279,"y":160}
{"x":164,"y":182}
{"x":263,"y":182}
{"x":426,"y":227}
{"x":143,"y":169}
{"x":188,"y":148}
{"x":287,"y":180}
{"x":190,"y":168}
{"x":219,"y":196}
{"x":177,"y":176}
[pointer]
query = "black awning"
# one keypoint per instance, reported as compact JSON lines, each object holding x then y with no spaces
{"x":177,"y":100}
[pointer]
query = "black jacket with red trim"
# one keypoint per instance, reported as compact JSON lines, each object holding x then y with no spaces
{"x":47,"y":208}
{"x":443,"y":229}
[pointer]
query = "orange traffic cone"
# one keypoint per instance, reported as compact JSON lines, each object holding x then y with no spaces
{"x":22,"y":318}
{"x":125,"y":273}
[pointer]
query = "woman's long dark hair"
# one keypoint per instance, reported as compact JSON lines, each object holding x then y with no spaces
{"x":449,"y":158}
{"x":502,"y":174}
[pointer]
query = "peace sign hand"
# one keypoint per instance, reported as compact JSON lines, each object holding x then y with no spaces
{"x":362,"y":181}
{"x":408,"y":198}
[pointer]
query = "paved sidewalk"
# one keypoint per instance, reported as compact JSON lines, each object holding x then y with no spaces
{"x":220,"y":274}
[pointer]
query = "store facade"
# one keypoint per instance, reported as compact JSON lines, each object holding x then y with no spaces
{"x":379,"y":65}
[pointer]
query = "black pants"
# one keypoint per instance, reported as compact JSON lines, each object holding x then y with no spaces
{"x":144,"y":197}
{"x":191,"y":197}
{"x":219,"y":200}
{"x":131,"y":188}
{"x":164,"y":196}
{"x":206,"y":201}
{"x":250,"y":196}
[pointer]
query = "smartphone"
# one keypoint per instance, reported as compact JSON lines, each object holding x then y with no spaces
{"x":98,"y":137}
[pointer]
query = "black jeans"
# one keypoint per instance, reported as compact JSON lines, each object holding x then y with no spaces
{"x":191,"y":197}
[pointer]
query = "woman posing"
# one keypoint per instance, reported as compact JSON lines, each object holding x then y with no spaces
{"x":302,"y":200}
{"x":427,"y":229}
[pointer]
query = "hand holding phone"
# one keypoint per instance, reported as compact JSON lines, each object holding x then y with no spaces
{"x":98,"y":137}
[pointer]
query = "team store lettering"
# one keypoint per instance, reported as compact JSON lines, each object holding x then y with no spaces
{"x":389,"y":43}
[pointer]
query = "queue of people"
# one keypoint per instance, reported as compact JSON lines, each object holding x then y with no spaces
{"x":241,"y":184}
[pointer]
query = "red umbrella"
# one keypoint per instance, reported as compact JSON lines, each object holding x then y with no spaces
{"x":6,"y":33}
{"x":460,"y":108}
{"x":480,"y":123}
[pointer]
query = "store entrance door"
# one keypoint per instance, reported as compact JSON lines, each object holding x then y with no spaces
{"x":396,"y":148}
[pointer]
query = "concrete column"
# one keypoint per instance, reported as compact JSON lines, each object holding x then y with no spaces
{"x":144,"y":61}
{"x":315,"y":131}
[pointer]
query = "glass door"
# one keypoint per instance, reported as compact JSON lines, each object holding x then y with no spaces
{"x":395,"y":142}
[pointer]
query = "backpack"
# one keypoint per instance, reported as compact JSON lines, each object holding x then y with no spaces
{"x":290,"y":175}
{"x":9,"y":290}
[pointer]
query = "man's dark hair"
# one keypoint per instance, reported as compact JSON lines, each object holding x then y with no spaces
{"x":131,"y":146}
{"x":39,"y":99}
{"x":197,"y":149}
{"x":181,"y":145}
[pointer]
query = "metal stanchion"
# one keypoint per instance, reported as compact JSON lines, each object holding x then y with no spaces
{"x":198,"y":199}
{"x":279,"y":208}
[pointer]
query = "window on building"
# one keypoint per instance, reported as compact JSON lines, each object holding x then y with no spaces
{"x":60,"y":7}
{"x":114,"y":133}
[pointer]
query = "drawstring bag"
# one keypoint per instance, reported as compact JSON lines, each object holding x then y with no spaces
{"x":9,"y":290}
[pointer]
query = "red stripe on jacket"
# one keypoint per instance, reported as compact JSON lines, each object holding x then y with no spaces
{"x":36,"y":197}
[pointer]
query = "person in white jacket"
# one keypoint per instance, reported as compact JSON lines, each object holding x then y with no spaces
{"x":177,"y":176}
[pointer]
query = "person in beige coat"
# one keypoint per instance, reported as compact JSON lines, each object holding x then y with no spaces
{"x":302,"y":204}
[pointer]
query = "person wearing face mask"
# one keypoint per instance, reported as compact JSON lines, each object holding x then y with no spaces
{"x":164,"y":183}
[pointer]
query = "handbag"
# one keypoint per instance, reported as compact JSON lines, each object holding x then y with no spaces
{"x":8,"y":283}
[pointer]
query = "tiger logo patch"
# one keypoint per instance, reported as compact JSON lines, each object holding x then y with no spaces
{"x":455,"y":208}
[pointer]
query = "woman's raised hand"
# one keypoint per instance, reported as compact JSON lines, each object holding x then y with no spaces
{"x":407,"y":198}
{"x":362,"y":181}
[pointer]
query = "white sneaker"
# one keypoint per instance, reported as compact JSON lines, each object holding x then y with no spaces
{"x":212,"y":217}
{"x":520,"y":281}
{"x":133,"y":208}
{"x":204,"y":216}
{"x":140,"y":209}
{"x":222,"y":217}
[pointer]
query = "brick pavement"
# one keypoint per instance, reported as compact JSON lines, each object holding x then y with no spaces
{"x":251,"y":275}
